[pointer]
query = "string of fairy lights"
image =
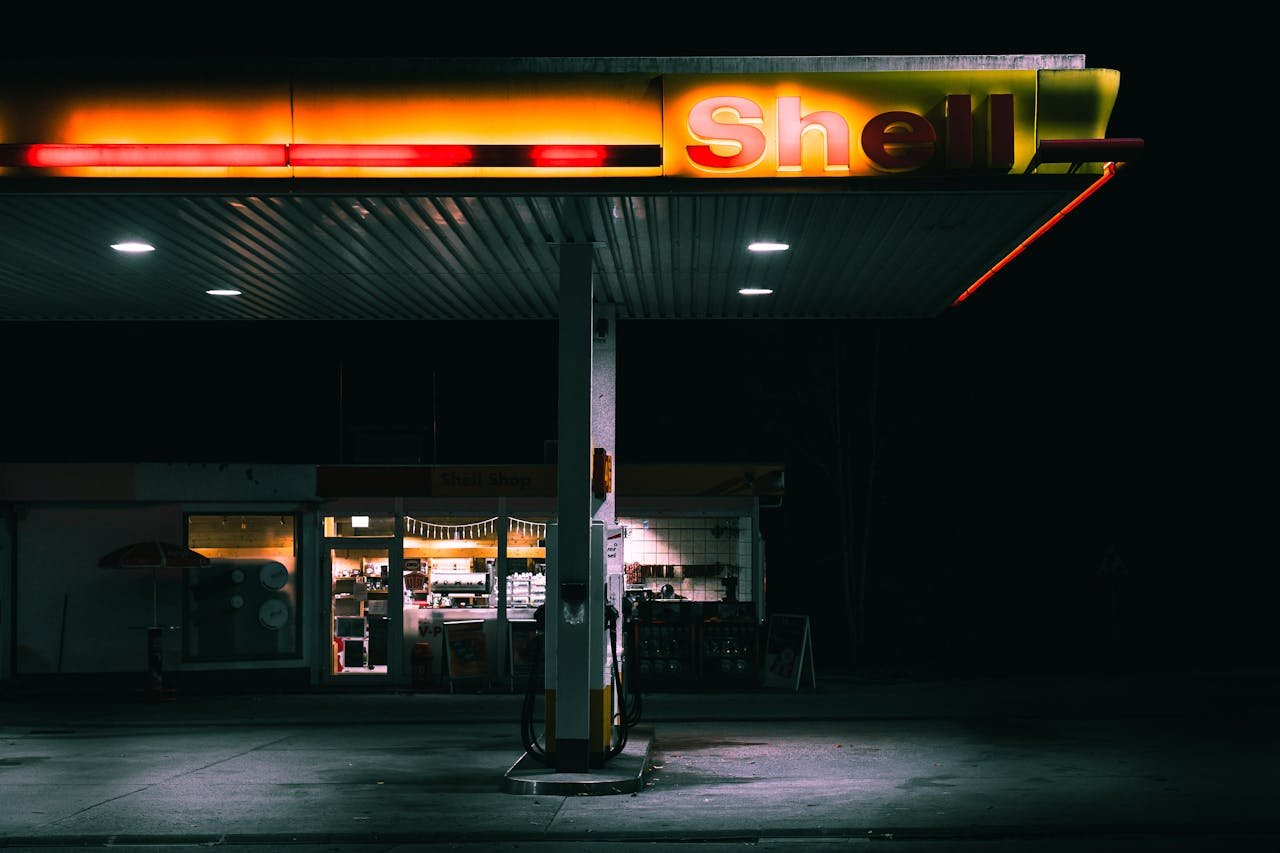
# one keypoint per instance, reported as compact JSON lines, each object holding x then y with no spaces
{"x":472,"y":530}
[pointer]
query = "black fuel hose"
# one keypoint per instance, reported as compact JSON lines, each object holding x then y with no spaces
{"x":620,"y":718}
{"x":629,"y":705}
{"x":528,"y":737}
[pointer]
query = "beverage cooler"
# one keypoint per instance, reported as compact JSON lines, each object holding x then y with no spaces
{"x":666,"y":645}
{"x":693,"y":645}
{"x":729,"y":645}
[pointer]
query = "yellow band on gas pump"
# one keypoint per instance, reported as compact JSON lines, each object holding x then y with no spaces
{"x":600,"y":720}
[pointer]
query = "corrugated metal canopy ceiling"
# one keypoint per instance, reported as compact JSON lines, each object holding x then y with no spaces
{"x":874,"y":249}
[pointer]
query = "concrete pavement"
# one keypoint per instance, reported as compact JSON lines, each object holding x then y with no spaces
{"x":1174,"y":762}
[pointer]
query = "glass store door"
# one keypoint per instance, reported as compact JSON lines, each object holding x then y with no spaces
{"x":362,"y":594}
{"x":359,"y":615}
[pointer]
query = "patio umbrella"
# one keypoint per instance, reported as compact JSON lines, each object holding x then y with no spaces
{"x":154,"y":555}
{"x":151,"y":555}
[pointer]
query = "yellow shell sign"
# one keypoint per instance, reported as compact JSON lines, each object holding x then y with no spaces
{"x":855,"y":124}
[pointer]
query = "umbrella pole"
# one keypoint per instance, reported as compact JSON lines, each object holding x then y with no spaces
{"x":155,"y":646}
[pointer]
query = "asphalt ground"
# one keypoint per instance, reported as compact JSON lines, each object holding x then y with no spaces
{"x":1130,"y":762}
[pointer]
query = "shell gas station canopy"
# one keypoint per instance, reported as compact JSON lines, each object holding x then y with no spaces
{"x":892,"y":187}
{"x":584,"y":190}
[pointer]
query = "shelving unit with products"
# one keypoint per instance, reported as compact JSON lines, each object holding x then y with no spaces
{"x":526,"y":582}
{"x":359,"y":611}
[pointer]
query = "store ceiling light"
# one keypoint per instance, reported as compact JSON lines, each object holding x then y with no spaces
{"x":359,"y":521}
{"x":755,"y":291}
{"x":133,"y":247}
{"x":769,"y":247}
{"x":227,"y":292}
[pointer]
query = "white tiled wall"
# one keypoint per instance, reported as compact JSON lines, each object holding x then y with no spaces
{"x":691,"y":541}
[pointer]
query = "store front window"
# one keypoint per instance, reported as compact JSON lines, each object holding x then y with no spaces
{"x":526,"y":565}
{"x":244,"y":606}
{"x":451,"y":561}
{"x":526,"y":592}
{"x":450,"y":596}
{"x":453,"y":578}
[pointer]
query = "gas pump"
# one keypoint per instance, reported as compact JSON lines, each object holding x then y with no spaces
{"x":579,"y":639}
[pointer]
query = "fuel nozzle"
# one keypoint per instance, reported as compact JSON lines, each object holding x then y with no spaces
{"x":610,"y":616}
{"x":540,"y":619}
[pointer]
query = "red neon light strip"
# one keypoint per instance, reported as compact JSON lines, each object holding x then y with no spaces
{"x":536,"y":156}
{"x":1109,"y":172}
{"x":183,"y":154}
{"x":307,"y":154}
{"x":568,"y":155}
{"x":380,"y":155}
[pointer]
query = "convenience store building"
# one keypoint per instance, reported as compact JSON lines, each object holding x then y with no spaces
{"x":298,"y":591}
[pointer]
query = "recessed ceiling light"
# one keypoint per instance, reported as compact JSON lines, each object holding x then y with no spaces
{"x":133,"y":247}
{"x":223,"y":292}
{"x":755,"y":291}
{"x":769,"y":247}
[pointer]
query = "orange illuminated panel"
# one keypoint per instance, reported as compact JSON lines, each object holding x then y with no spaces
{"x":544,"y":125}
{"x":1108,"y":173}
{"x":130,"y":126}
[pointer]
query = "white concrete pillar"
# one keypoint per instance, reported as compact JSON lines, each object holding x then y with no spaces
{"x":568,"y":613}
{"x":604,"y":400}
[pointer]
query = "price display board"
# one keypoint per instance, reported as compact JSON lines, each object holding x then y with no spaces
{"x":788,"y":652}
{"x":524,"y":649}
{"x":465,"y":654}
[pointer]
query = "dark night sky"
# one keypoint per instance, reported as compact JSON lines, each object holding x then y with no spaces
{"x":1112,"y":386}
